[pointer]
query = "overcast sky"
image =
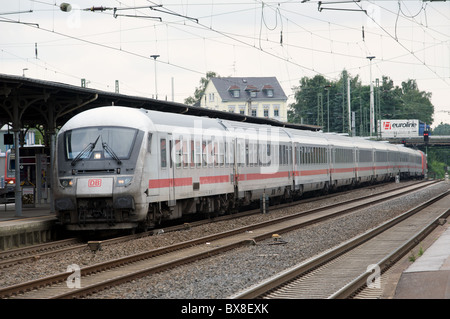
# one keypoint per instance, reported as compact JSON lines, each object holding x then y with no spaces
{"x":287,"y":39}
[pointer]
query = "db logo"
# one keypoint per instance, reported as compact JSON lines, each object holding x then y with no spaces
{"x":387,"y":125}
{"x":95,"y":183}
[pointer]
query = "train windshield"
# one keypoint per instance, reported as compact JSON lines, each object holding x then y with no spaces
{"x":95,"y":143}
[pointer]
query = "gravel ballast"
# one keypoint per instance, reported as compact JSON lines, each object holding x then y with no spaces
{"x":226,"y":274}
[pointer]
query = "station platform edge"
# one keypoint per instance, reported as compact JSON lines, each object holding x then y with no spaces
{"x":33,"y":225}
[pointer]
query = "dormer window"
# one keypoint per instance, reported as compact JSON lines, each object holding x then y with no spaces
{"x":234,"y":91}
{"x":268,"y":90}
{"x":251,"y":90}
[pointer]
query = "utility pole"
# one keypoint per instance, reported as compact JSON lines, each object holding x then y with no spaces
{"x":156,"y":86}
{"x":349,"y":107}
{"x":372,"y":112}
{"x":320,"y":109}
{"x":327,"y":88}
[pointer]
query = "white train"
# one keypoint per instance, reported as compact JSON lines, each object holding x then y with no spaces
{"x":123,"y":168}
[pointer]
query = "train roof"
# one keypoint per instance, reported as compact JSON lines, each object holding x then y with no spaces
{"x":111,"y":116}
{"x":181,"y":124}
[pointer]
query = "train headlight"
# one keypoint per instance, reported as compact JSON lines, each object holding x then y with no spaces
{"x":124,"y":181}
{"x":66,"y":182}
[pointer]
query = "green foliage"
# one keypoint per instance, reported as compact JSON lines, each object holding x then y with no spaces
{"x":436,"y":168}
{"x":192,"y":100}
{"x":442,"y":129}
{"x":319,"y":101}
{"x":438,"y":157}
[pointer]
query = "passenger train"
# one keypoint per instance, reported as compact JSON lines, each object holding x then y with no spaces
{"x":125,"y":168}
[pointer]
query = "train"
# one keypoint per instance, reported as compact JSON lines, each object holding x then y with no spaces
{"x":125,"y":168}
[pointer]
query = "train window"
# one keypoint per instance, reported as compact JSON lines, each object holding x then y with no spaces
{"x":210,"y":152}
{"x":192,"y":158}
{"x":246,"y":154}
{"x":221,"y":154}
{"x":178,"y":153}
{"x":149,"y":143}
{"x":204,"y":150}
{"x":241,"y":152}
{"x":215,"y":152}
{"x":107,"y":142}
{"x":254,"y":154}
{"x":185,"y":154}
{"x":163,"y":153}
{"x":198,"y":153}
{"x":280,"y":154}
{"x":289,"y":154}
{"x":262,"y":155}
{"x":228,"y":153}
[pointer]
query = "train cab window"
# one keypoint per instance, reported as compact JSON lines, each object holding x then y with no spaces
{"x":163,"y":153}
{"x":103,"y":142}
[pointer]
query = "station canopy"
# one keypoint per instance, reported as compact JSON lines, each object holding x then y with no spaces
{"x":29,"y":102}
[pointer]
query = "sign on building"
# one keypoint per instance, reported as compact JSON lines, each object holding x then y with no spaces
{"x":399,"y":128}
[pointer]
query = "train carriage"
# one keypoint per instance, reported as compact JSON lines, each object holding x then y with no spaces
{"x":363,"y":160}
{"x":124,"y":168}
{"x":311,"y":161}
{"x":342,"y":165}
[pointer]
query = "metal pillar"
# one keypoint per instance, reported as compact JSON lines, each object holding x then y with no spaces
{"x":18,"y":190}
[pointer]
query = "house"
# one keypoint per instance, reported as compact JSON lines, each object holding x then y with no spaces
{"x":255,"y":96}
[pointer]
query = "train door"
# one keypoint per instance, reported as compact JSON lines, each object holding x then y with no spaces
{"x":239,"y":162}
{"x":296,"y":169}
{"x":167,"y":178}
{"x":172,"y":199}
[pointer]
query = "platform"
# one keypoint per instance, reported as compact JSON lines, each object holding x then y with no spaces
{"x":429,"y":276}
{"x":35,"y":225}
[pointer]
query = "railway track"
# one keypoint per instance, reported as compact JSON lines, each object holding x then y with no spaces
{"x":97,"y":277}
{"x":356,"y":264}
{"x":21,"y":255}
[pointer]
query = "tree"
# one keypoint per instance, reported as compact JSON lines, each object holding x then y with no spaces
{"x":442,"y":129}
{"x":193,"y":100}
{"x":391,"y":102}
{"x":416,"y":104}
{"x":308,"y":101}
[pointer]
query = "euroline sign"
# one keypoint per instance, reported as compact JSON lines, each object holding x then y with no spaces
{"x":399,"y":128}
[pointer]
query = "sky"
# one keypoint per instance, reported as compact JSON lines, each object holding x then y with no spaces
{"x":409,"y":39}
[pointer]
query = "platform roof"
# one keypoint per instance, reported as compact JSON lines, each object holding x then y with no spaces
{"x":34,"y":102}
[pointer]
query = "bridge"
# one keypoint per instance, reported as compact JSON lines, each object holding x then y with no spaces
{"x":433,"y":140}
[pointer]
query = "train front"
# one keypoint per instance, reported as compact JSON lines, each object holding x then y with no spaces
{"x":98,"y":169}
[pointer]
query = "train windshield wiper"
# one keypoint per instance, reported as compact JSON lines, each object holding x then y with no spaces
{"x":111,"y":152}
{"x":88,"y":149}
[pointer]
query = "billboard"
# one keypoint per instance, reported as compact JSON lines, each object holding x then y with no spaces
{"x":398,"y":128}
